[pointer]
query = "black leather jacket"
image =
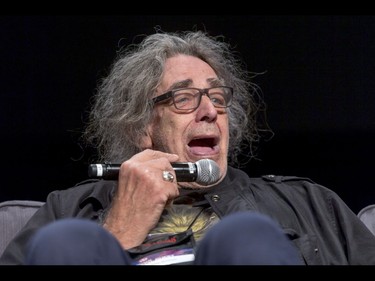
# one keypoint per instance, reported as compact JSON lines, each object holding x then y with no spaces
{"x":320,"y":224}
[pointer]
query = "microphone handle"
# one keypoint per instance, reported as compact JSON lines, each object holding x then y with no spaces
{"x":185,"y":172}
{"x":107,"y":171}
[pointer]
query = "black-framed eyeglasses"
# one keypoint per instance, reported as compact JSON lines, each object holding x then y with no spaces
{"x":190,"y":98}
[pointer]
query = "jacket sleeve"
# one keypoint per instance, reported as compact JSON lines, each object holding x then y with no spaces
{"x":324,"y":228}
{"x":358,"y":239}
{"x":345,"y":238}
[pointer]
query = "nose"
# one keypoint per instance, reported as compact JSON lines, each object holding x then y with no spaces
{"x":206,"y":110}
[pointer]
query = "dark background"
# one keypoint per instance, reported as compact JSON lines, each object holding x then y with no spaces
{"x":318,"y":83}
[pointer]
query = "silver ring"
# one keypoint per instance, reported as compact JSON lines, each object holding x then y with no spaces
{"x":168,"y":176}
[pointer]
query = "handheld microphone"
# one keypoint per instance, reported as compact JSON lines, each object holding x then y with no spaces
{"x":204,"y":171}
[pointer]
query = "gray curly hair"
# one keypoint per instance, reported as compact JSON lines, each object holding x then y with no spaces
{"x":121,"y":106}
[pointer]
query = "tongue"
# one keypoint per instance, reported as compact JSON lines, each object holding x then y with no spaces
{"x":199,"y":150}
{"x":201,"y":146}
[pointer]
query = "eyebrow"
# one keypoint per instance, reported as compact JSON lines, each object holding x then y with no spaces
{"x":188,"y":82}
{"x":181,"y":84}
{"x":215,"y":82}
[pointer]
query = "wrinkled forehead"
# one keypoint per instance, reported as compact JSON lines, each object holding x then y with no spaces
{"x":187,"y":71}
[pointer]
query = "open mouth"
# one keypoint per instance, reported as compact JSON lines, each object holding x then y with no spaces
{"x":203,"y":146}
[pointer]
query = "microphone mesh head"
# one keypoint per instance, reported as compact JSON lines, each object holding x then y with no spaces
{"x":208,"y":172}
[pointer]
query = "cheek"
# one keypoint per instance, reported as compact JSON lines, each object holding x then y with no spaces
{"x":164,"y":140}
{"x":224,"y":131}
{"x":170,"y":129}
{"x":165,"y":130}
